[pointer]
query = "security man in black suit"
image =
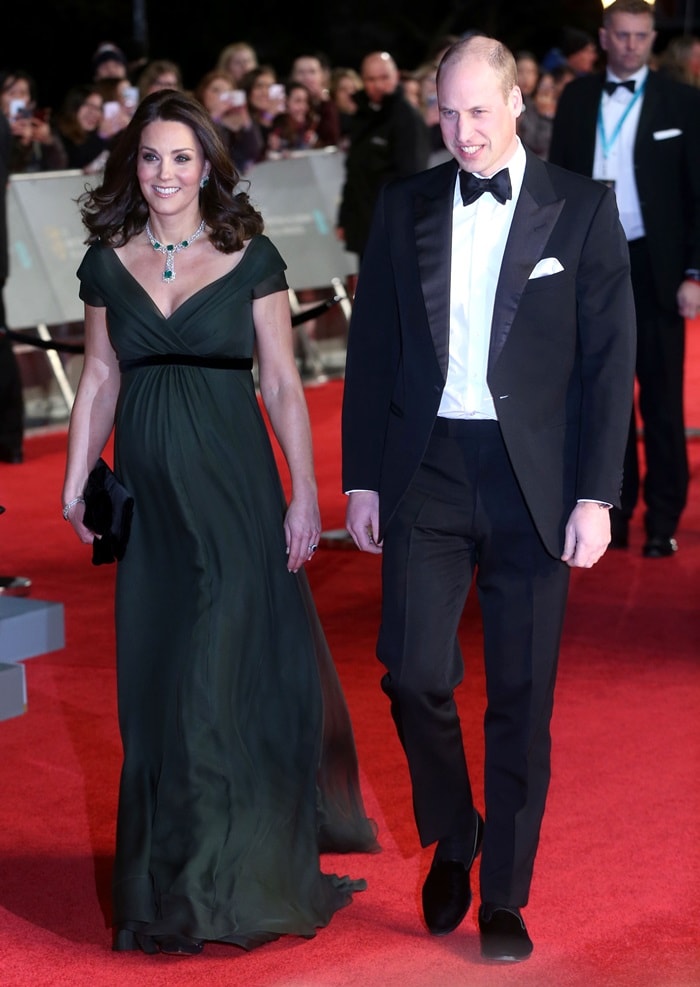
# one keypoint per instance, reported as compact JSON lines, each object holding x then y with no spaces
{"x":388,"y":139}
{"x":639,"y":132}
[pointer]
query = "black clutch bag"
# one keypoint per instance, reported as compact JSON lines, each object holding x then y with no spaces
{"x":109,"y":508}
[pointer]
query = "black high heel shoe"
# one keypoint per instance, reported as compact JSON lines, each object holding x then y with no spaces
{"x":179,"y":945}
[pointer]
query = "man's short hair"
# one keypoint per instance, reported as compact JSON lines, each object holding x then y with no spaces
{"x":485,"y":49}
{"x":627,"y":7}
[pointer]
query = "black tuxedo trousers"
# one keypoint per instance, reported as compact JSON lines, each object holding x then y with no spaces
{"x":462,"y":519}
{"x":660,"y":357}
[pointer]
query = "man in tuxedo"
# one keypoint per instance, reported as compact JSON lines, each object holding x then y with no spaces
{"x":640,"y":133}
{"x":487,"y":398}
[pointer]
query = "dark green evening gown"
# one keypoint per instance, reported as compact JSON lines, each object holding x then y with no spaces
{"x":239,"y":763}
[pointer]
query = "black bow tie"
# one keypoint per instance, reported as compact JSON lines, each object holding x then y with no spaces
{"x":611,"y":86}
{"x":472,"y":187}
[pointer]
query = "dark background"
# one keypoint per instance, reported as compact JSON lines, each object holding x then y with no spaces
{"x":54,"y":39}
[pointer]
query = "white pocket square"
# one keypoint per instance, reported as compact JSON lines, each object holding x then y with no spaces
{"x":543,"y":268}
{"x":663,"y":135}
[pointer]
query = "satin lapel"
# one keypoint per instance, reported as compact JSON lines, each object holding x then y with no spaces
{"x":645,"y":126}
{"x":535,"y":216}
{"x":433,"y":230}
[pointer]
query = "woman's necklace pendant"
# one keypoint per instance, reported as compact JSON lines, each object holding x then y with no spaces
{"x":169,"y":272}
{"x":171,"y":249}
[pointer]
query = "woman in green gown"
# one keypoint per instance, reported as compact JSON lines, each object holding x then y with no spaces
{"x":239,"y":762}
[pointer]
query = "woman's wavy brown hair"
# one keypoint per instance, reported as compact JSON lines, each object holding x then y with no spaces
{"x":116,"y":211}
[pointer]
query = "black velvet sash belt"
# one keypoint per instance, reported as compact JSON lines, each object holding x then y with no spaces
{"x":183,"y":359}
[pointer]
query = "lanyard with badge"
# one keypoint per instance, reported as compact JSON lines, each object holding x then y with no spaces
{"x":607,"y":143}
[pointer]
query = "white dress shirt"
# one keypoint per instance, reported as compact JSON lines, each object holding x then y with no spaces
{"x":618,"y":164}
{"x":479,"y":234}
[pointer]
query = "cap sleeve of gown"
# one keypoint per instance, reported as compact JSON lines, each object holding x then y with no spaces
{"x":89,"y":290}
{"x":274,"y":268}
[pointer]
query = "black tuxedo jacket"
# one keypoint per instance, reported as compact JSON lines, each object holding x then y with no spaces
{"x":561,"y":359}
{"x":666,"y":167}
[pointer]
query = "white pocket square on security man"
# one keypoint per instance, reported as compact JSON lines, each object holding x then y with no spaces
{"x":543,"y":268}
{"x":663,"y":135}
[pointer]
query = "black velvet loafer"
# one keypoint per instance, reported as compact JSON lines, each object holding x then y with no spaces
{"x":504,"y":937}
{"x":447,"y":892}
{"x":659,"y":548}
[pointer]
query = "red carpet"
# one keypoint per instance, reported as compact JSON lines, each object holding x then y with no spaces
{"x":614,"y":899}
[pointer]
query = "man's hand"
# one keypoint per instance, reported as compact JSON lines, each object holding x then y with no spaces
{"x":587,"y":535}
{"x":688,"y":298}
{"x":362,"y":520}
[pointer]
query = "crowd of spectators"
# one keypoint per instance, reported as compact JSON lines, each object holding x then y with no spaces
{"x":261,"y":114}
{"x":264,"y":115}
